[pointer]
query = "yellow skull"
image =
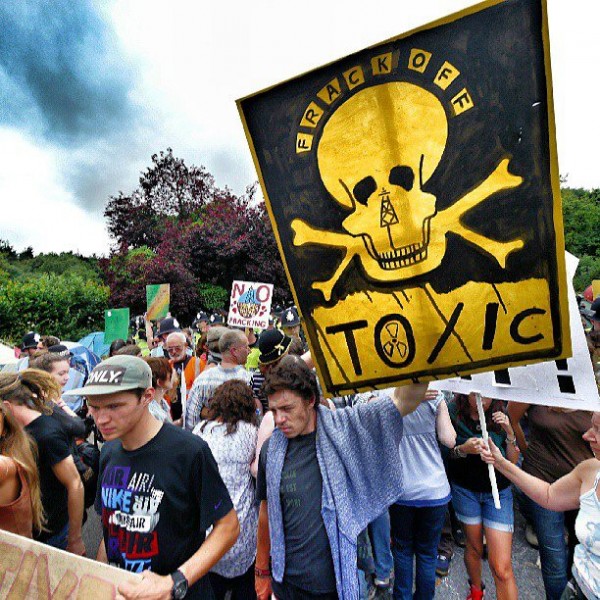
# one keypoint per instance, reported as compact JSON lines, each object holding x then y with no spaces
{"x":375,"y":154}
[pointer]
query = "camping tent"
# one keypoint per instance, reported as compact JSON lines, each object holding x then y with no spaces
{"x":7,"y":355}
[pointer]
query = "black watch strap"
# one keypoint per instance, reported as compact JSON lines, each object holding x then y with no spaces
{"x":180,"y":585}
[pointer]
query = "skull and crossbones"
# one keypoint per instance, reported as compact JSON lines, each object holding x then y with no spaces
{"x":377,"y":169}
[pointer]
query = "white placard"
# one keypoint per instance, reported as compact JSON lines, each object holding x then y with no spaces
{"x":569,"y":383}
{"x":250,"y":304}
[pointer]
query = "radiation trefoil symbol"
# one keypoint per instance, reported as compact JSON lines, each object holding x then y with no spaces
{"x":376,"y":153}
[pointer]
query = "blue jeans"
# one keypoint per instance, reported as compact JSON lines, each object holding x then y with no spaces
{"x":474,"y":508}
{"x":549,"y":528}
{"x":416,"y":531}
{"x":379,"y":532}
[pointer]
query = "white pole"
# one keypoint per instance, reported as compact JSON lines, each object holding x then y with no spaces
{"x":484,"y":435}
{"x":184,"y":399}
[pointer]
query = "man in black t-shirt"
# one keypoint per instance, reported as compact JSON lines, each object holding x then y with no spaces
{"x":160,"y":489}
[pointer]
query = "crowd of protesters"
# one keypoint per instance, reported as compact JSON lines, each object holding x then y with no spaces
{"x":218,"y":470}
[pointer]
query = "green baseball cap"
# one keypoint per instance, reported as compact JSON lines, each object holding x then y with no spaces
{"x":116,"y":374}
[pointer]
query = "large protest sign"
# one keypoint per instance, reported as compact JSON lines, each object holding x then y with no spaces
{"x":116,"y":324}
{"x":413,"y":189}
{"x":30,"y":570}
{"x":568,"y":383}
{"x":250,"y":304}
{"x":158,"y":298}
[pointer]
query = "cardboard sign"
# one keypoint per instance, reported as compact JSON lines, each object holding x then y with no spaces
{"x":30,"y":570}
{"x":158,"y":298}
{"x":565,"y":383}
{"x":413,"y":189}
{"x":250,"y":304}
{"x":116,"y":324}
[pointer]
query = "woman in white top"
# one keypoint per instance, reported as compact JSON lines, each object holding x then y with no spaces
{"x":579,"y":489}
{"x":418,"y":515}
{"x":231,"y":434}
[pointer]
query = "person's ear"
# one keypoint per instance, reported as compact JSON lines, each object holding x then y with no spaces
{"x":148,"y":396}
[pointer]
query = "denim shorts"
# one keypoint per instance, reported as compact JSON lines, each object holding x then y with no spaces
{"x":473,"y":508}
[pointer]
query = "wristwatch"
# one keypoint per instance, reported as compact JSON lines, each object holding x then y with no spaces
{"x":457,"y":453}
{"x":180,"y":585}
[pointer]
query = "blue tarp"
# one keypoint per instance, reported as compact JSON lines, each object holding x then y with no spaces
{"x":95,"y":343}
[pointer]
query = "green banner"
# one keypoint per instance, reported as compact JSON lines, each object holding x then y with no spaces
{"x":157,"y":299}
{"x":116,"y":324}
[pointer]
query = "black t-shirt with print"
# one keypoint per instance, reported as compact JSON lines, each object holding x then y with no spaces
{"x":53,"y":447}
{"x":308,"y":562}
{"x":156,"y":502}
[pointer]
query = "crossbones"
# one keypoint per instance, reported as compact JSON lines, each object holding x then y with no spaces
{"x":372,"y":168}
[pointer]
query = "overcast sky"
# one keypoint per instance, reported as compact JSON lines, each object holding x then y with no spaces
{"x":89,"y":90}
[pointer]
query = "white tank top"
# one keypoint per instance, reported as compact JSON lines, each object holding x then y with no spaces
{"x":586,"y":562}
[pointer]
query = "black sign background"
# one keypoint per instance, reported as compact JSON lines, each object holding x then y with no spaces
{"x":499,"y":49}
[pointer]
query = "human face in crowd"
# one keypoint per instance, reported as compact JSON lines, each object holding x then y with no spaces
{"x":241,"y":350}
{"x":170,"y":383}
{"x":293,"y":332}
{"x":485,"y":402}
{"x":592,"y":435}
{"x":176,"y":348}
{"x":31,"y":351}
{"x":293,"y":415}
{"x":60,"y":372}
{"x":117,"y":415}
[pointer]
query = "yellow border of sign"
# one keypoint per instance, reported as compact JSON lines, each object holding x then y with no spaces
{"x":554,"y":173}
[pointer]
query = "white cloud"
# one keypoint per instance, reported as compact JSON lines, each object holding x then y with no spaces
{"x":197,"y":58}
{"x":192,"y":60}
{"x":37,"y":208}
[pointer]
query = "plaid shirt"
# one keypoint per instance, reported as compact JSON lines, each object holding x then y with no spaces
{"x":204,"y":388}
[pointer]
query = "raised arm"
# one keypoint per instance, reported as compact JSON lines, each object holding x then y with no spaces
{"x":408,"y":397}
{"x":562,"y":495}
{"x":446,"y":433}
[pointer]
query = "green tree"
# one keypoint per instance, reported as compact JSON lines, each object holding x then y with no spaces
{"x":63,"y":305}
{"x":581,"y":215}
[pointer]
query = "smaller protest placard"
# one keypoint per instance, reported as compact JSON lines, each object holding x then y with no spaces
{"x":250,"y":304}
{"x":116,"y":324}
{"x":158,"y":298}
{"x":568,"y":383}
{"x":31,"y":570}
{"x":596,"y":288}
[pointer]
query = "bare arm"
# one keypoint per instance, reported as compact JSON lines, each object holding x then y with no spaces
{"x":156,"y":587}
{"x":8,"y":469}
{"x":445,"y":430}
{"x":516,"y":411}
{"x":66,"y":472}
{"x":560,"y":496}
{"x":408,"y":397}
{"x":264,"y":433}
{"x":263,"y":551}
{"x":149,"y":333}
{"x":101,"y":554}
